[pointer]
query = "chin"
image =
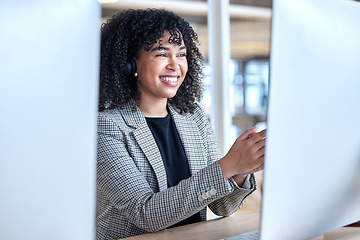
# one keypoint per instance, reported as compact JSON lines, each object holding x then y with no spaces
{"x":170,"y":95}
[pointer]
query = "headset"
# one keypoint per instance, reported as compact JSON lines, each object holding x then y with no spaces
{"x":130,"y":67}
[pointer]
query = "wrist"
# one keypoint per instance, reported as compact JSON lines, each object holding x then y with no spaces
{"x":226,"y":168}
{"x":240,"y":179}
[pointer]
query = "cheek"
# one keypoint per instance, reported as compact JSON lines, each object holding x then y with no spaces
{"x":184,"y":67}
{"x":144,"y":69}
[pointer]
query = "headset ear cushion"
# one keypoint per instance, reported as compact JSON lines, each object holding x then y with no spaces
{"x":130,"y":67}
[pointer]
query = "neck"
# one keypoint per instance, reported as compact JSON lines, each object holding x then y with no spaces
{"x":154,"y":108}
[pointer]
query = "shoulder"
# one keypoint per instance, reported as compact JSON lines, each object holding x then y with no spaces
{"x":198,"y":112}
{"x":109,"y":113}
{"x":113,"y":115}
{"x":127,"y":118}
{"x":109,"y":120}
{"x":199,"y":116}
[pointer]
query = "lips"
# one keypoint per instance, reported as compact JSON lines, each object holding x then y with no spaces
{"x":172,"y":79}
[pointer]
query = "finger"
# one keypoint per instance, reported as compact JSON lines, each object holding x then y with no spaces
{"x":256,"y":169}
{"x":261,"y":152}
{"x":260,"y":163}
{"x":260,"y":168}
{"x":248,"y":133}
{"x":258,"y":136}
{"x":260,"y":144}
{"x":262,"y":134}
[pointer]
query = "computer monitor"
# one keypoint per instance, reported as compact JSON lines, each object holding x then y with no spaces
{"x":312,"y":161}
{"x":49,"y":68}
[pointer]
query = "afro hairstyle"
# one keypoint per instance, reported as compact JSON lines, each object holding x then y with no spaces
{"x":123,"y":35}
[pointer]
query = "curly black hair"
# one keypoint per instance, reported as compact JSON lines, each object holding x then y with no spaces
{"x":124,"y":35}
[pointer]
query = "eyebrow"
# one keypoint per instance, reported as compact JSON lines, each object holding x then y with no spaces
{"x":165,"y":48}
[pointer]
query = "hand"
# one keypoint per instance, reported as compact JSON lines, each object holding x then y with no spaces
{"x":245,"y":156}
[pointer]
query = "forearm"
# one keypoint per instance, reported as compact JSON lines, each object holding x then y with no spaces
{"x":172,"y":205}
{"x":231,"y":203}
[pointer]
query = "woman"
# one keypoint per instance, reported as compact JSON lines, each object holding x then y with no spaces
{"x":158,"y":164}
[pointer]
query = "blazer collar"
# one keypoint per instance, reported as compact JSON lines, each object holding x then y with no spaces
{"x":134,"y":118}
{"x":132,"y":115}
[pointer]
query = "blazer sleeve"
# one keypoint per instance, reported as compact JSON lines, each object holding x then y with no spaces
{"x":230,"y":203}
{"x":127,"y":190}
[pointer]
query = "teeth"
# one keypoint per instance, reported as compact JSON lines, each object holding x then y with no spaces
{"x":169,"y":79}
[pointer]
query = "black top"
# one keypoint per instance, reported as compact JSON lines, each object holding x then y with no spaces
{"x":173,"y":155}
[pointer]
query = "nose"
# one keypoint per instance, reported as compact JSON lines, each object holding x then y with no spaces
{"x":172,"y":64}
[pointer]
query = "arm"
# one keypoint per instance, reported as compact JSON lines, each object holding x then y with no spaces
{"x":126,"y":188}
{"x":233,"y":201}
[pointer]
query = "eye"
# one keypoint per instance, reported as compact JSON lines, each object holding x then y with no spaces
{"x":161,"y":55}
{"x":182,"y":55}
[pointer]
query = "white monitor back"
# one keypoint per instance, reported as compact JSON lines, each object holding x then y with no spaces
{"x":49,"y":58}
{"x":312,"y":165}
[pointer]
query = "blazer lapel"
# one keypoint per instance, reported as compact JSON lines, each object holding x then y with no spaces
{"x":191,"y":140}
{"x":146,"y":141}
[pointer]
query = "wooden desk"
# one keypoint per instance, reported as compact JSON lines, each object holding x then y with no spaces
{"x":230,"y":226}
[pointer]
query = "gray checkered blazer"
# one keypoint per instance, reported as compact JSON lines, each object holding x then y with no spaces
{"x":133,"y":196}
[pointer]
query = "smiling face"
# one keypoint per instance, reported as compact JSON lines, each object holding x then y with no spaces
{"x":161,"y":70}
